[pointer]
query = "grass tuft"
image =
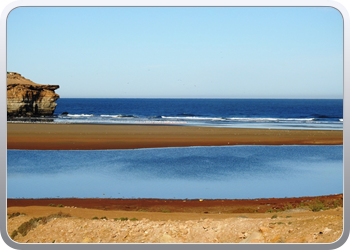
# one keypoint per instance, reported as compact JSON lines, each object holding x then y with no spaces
{"x":121,"y":218}
{"x":337,"y":203}
{"x":288,"y":206}
{"x":14,"y":234}
{"x":15,"y":214}
{"x":316,"y":205}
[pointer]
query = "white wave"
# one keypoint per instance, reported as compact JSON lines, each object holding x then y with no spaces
{"x":193,"y":118}
{"x":298,"y":119}
{"x":341,"y":120}
{"x":82,"y":115}
{"x":269,"y":119}
{"x":112,"y":116}
{"x":119,"y":116}
{"x":242,"y":119}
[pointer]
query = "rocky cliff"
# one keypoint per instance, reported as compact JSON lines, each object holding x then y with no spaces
{"x":28,"y":99}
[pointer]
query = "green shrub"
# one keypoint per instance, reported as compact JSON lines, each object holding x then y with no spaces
{"x":337,"y":203}
{"x":270,"y":211}
{"x":60,"y":205}
{"x":58,"y":215}
{"x":25,"y":227}
{"x":274,"y":216}
{"x":104,"y":217}
{"x":288,"y":216}
{"x":52,"y":205}
{"x":121,"y":218}
{"x":95,"y":218}
{"x":288,"y":206}
{"x":316,"y":205}
{"x":15,"y":214}
{"x":14,"y":234}
{"x":133,"y":219}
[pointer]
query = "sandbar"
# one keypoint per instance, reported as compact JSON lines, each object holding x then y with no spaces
{"x":37,"y":136}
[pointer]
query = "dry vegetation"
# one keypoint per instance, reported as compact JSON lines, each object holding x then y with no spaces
{"x":315,"y":221}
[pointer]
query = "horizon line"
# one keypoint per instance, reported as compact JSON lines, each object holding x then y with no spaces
{"x":277,"y":98}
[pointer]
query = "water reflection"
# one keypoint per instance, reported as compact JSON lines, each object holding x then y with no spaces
{"x":192,"y":172}
{"x":31,"y":119}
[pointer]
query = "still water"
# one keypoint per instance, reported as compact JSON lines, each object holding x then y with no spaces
{"x":229,"y":172}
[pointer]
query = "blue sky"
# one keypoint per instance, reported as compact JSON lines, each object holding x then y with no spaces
{"x":182,"y":52}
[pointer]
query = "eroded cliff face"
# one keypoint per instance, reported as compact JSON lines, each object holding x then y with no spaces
{"x":28,"y":99}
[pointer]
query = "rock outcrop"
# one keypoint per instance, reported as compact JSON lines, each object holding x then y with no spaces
{"x":28,"y":99}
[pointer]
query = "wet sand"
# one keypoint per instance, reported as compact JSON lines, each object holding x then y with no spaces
{"x":92,"y":137}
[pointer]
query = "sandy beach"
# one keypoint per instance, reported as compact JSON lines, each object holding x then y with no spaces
{"x":90,"y":137}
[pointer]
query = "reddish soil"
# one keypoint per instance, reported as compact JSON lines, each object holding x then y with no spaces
{"x":187,"y":206}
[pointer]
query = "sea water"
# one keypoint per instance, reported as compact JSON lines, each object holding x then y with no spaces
{"x":226,"y":172}
{"x":325,"y":114}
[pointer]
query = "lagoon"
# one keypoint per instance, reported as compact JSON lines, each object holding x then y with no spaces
{"x":225,"y":172}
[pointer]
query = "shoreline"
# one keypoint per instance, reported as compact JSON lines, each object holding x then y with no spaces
{"x":36,"y":136}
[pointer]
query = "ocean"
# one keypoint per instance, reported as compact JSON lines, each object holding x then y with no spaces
{"x":324,"y":114}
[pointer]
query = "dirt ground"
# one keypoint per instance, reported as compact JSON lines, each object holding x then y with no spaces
{"x":214,"y":206}
{"x":288,"y":220}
